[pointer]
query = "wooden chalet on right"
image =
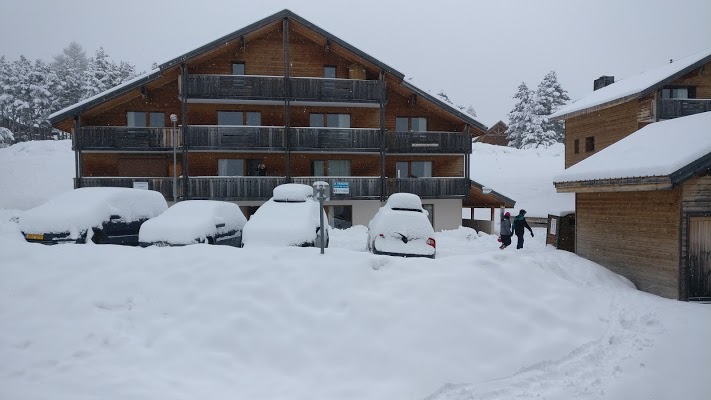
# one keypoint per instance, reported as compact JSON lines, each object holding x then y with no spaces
{"x":638,"y":158}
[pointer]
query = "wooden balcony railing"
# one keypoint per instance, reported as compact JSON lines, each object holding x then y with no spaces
{"x":233,"y":188}
{"x":127,"y":138}
{"x":428,"y":187}
{"x":212,"y":137}
{"x":428,"y":142}
{"x":335,"y":139}
{"x":248,"y":87}
{"x":162,"y":185}
{"x":256,"y":87}
{"x":346,"y":90}
{"x":674,"y":108}
{"x":350,"y":187}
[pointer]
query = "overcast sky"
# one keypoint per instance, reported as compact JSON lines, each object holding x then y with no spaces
{"x":478,"y":52}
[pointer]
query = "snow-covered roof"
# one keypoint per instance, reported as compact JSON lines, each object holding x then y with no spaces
{"x":657,"y":150}
{"x":634,"y":86}
{"x":105,"y":94}
{"x":140,"y":80}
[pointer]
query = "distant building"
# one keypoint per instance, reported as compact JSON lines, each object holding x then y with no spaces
{"x":495,"y":135}
{"x":643,"y":187}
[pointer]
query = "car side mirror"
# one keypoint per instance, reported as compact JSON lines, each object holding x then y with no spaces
{"x":114,"y":217}
{"x":220,"y":225}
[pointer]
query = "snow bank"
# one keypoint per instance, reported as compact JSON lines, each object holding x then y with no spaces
{"x":192,"y":221}
{"x":293,"y":192}
{"x":208,"y":321}
{"x":33,"y":172}
{"x":632,"y":85}
{"x":407,"y":201}
{"x":80,"y":209}
{"x":648,"y":152}
{"x":525,"y":176}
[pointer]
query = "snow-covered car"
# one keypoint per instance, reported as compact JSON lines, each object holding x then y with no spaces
{"x":195,"y":221}
{"x":103,"y":215}
{"x":289,"y":218}
{"x":401,"y":228}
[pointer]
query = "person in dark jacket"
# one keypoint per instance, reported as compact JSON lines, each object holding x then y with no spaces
{"x":518,"y":225}
{"x":505,"y":230}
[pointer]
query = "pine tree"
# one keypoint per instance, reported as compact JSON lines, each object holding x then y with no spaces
{"x":69,"y":67}
{"x":550,"y":96}
{"x":520,"y":116}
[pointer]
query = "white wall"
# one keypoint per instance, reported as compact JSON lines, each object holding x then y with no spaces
{"x":363,"y":210}
{"x":447,"y":213}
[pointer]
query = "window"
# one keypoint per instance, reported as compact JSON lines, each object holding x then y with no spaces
{"x":678,"y":93}
{"x":576,"y":147}
{"x":430,"y":212}
{"x":411,"y":124}
{"x":238,"y":68}
{"x":589,"y":144}
{"x":413,"y":169}
{"x":330,"y":120}
{"x":239,"y":118}
{"x":340,"y":217}
{"x":329,"y":71}
{"x":331,"y":168}
{"x":140,"y":119}
{"x":230,"y":167}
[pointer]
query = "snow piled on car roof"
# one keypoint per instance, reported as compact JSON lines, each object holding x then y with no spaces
{"x":281,"y":223}
{"x":81,"y":209}
{"x":407,"y":201}
{"x":292,"y":192}
{"x":192,"y":221}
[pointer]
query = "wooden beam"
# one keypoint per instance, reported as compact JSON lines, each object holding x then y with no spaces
{"x":287,"y":95}
{"x":186,"y":128}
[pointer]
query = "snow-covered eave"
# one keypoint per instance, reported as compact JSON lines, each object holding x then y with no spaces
{"x":700,"y":167}
{"x":432,"y":99}
{"x":563,"y":114}
{"x":104,"y":96}
{"x":498,"y":197}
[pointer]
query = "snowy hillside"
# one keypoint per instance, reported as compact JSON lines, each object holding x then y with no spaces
{"x":522,"y":175}
{"x":33,"y":172}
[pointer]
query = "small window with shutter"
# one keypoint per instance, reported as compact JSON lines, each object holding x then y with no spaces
{"x":589,"y":144}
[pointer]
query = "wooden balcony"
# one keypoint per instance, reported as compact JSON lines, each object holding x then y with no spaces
{"x":335,"y":139}
{"x":336,"y":90}
{"x":244,"y":87}
{"x":212,"y":137}
{"x":162,"y":185}
{"x":428,"y":142}
{"x":674,"y":108}
{"x":124,"y":138}
{"x":360,"y":188}
{"x":273,"y":88}
{"x":233,"y":188}
{"x":428,"y":188}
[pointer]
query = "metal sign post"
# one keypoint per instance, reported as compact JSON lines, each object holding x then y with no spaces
{"x":321,"y":192}
{"x":174,"y":120}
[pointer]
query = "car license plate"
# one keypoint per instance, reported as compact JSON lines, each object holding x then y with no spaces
{"x":35,"y":236}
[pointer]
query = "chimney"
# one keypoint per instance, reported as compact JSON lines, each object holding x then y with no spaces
{"x":603,"y":81}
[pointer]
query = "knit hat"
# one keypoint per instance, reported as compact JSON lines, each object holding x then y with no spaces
{"x":522,"y":212}
{"x":508,"y":214}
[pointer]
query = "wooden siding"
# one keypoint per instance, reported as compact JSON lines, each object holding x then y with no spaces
{"x":401,"y":106}
{"x":361,"y":165}
{"x":696,"y":200}
{"x":164,"y":99}
{"x":700,"y":78}
{"x":635,"y":234}
{"x":127,"y":164}
{"x":608,"y":126}
{"x":205,"y":163}
{"x":442,"y":166}
{"x":261,"y":56}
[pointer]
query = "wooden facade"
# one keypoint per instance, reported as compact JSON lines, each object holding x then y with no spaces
{"x":654,"y":230}
{"x":284,"y":73}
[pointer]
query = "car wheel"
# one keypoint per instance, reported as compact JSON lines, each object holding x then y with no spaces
{"x":99,"y":237}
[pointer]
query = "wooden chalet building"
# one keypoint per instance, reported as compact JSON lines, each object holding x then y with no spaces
{"x":638,"y":158}
{"x":278,"y":101}
{"x":495,"y":135}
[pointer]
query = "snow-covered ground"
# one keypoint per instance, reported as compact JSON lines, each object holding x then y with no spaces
{"x":525,"y":176}
{"x":112,"y":322}
{"x":33,"y":172}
